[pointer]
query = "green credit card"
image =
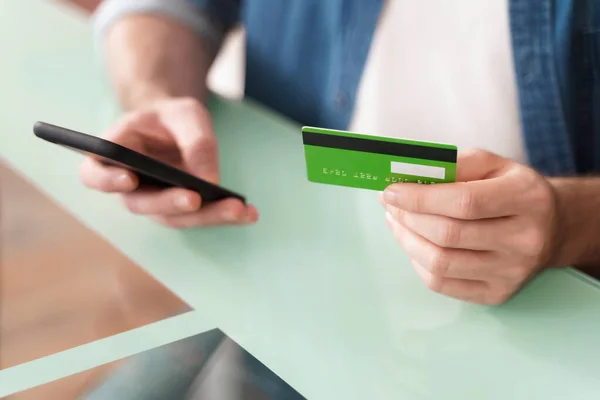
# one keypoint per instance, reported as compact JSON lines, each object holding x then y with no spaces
{"x":371,"y":162}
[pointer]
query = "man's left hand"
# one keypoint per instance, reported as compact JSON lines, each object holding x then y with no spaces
{"x":479,"y":239}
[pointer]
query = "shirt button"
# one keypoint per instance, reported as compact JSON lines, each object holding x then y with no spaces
{"x":341,"y":100}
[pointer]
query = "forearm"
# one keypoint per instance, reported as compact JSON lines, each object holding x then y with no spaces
{"x":160,"y":48}
{"x":149,"y":58}
{"x":578,"y":221}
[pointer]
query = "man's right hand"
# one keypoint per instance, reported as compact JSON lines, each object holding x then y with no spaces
{"x":178,"y":132}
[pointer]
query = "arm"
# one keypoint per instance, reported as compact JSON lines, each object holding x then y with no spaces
{"x":158,"y":49}
{"x":578,"y":209}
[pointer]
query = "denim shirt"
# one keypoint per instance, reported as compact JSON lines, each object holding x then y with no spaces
{"x":305,"y":58}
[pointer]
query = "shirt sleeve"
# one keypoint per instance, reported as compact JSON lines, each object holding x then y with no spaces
{"x":209,"y":19}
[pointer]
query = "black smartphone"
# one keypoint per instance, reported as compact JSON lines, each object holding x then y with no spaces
{"x":149,"y":171}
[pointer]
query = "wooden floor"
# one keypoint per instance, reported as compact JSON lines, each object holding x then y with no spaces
{"x":55,"y":295}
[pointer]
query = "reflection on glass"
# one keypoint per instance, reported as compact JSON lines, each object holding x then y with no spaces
{"x":61,"y":285}
{"x":206,"y":366}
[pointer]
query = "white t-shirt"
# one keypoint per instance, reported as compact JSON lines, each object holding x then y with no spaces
{"x":442,"y":71}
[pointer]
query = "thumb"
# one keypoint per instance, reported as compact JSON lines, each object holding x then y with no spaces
{"x":190,"y":124}
{"x":477,"y":164}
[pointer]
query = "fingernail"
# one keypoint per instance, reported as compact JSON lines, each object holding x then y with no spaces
{"x":236,"y":215}
{"x":123,"y":182}
{"x":183,"y":203}
{"x":390,"y":196}
{"x":247,"y":218}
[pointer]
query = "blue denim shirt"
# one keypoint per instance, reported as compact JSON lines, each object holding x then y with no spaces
{"x":304,"y":58}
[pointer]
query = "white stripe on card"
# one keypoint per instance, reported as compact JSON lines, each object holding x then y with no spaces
{"x":426,"y":171}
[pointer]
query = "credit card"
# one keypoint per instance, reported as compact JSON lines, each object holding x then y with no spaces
{"x":372,"y":162}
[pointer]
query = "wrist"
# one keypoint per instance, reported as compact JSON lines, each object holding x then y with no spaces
{"x":562,"y":251}
{"x":143,"y":95}
{"x":576,"y":241}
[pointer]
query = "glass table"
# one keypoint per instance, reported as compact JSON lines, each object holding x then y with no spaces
{"x":317,"y":290}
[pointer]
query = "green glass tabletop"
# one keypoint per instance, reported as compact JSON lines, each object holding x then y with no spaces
{"x":317,"y":290}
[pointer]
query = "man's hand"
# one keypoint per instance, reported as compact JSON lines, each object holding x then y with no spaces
{"x":178,"y":132}
{"x":482,"y":238}
{"x":159,"y":83}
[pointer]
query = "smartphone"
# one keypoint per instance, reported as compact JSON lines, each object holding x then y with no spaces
{"x":150,"y":172}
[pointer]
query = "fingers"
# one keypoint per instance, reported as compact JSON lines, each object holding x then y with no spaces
{"x":488,"y":186}
{"x":181,"y":208}
{"x":181,"y":129}
{"x":460,"y":289}
{"x":500,"y":234}
{"x":449,"y":232}
{"x":226,"y":212}
{"x":98,"y":176}
{"x":465,"y":287}
{"x":476,"y":240}
{"x":190,"y":124}
{"x":126,"y":131}
{"x":477,"y":164}
{"x":182,"y":122}
{"x":508,"y":235}
{"x":162,"y":202}
{"x":110,"y":179}
{"x":491,"y":198}
{"x":442,"y":262}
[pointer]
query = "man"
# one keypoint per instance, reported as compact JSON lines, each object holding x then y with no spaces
{"x":514,"y":77}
